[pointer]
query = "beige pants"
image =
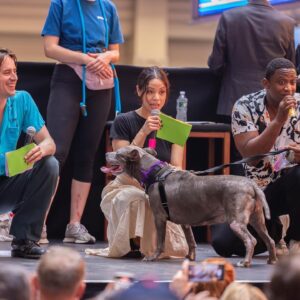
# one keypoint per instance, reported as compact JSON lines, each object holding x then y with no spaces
{"x":126,"y":208}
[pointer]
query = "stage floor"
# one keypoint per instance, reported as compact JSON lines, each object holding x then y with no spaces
{"x":101,"y":269}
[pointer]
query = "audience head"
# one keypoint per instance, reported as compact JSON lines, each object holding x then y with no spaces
{"x":216,"y":288}
{"x":7,"y":53}
{"x":285,"y":280}
{"x":14,"y":283}
{"x":244,"y":291}
{"x":60,"y":272}
{"x":153,"y":88}
{"x":146,"y":290}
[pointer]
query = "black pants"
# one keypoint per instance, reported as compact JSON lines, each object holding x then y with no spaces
{"x":29,"y":195}
{"x":283,"y":198}
{"x":67,"y":125}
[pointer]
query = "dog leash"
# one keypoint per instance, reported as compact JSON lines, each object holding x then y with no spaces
{"x":239,"y":162}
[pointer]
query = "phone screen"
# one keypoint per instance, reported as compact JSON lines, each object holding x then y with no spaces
{"x":206,"y":272}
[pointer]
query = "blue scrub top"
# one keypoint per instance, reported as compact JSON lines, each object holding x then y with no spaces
{"x":63,"y":21}
{"x":20,"y":112}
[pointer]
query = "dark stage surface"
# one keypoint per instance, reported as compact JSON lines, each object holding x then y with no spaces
{"x":101,"y":269}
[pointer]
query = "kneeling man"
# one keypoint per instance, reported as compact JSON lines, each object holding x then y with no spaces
{"x":264,"y":121}
{"x":29,"y":193}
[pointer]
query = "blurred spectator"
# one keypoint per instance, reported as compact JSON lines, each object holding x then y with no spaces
{"x":122,"y":280}
{"x":146,"y":290}
{"x":189,"y":290}
{"x":14,"y":283}
{"x":242,"y":291}
{"x":60,"y":275}
{"x":216,"y":288}
{"x":285,"y":280}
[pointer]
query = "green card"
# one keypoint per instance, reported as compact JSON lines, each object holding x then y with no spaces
{"x":173,"y":130}
{"x":15,"y":163}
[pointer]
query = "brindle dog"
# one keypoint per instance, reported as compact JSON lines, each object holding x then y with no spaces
{"x":196,"y":200}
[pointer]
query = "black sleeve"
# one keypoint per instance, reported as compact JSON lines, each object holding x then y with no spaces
{"x":126,"y":126}
{"x":120,"y":129}
{"x":217,"y":59}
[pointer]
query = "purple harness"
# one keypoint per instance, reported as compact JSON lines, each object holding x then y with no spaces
{"x":158,"y":172}
{"x":149,"y":176}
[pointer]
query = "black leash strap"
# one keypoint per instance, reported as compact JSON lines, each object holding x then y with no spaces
{"x":238,"y":162}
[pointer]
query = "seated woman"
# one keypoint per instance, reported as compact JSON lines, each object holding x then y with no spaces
{"x":124,"y":202}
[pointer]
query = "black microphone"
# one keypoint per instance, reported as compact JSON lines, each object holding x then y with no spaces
{"x":152,"y":139}
{"x":30,"y":132}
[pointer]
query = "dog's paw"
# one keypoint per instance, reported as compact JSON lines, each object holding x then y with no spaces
{"x":243,"y":264}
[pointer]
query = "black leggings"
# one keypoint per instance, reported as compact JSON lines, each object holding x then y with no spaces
{"x":68,"y":127}
{"x":283,"y":198}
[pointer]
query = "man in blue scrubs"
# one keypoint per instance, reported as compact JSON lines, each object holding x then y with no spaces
{"x":29,"y":193}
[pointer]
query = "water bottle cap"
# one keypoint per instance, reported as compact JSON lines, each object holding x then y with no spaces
{"x":182,"y":93}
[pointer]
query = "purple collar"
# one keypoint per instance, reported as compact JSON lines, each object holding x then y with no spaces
{"x":149,"y":175}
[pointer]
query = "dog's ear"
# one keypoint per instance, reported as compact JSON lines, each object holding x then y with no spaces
{"x":134,"y":155}
{"x":151,"y":151}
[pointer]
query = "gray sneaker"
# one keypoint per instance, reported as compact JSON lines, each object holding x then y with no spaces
{"x":4,"y":231}
{"x":78,"y":234}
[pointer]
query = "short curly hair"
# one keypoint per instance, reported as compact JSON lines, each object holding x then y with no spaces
{"x":278,"y":63}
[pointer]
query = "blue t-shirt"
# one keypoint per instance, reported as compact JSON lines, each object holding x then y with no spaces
{"x":64,"y":21}
{"x":20,"y":112}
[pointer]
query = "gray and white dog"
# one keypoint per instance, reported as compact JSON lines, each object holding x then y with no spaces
{"x":191,"y":200}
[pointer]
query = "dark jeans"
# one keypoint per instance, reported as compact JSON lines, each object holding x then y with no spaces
{"x":29,"y":195}
{"x":67,"y":125}
{"x":283,"y":198}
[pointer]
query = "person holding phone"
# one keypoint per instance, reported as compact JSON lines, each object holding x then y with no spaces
{"x":75,"y":35}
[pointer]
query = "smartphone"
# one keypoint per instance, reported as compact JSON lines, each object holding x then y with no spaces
{"x":205,"y":272}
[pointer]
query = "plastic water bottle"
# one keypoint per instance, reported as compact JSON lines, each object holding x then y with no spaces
{"x":181,"y":107}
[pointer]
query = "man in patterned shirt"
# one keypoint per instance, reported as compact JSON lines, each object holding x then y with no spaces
{"x":262,"y":122}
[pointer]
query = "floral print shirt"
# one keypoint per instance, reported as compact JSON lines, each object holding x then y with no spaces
{"x":250,"y":114}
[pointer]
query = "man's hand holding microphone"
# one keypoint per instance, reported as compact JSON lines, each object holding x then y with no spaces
{"x":287,"y":108}
{"x":35,"y":154}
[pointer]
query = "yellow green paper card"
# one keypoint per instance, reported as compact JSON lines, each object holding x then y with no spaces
{"x":15,"y":163}
{"x":173,"y":130}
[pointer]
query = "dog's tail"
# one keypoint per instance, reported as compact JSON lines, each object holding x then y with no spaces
{"x":260,"y":196}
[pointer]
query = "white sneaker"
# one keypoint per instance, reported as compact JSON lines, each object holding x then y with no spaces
{"x":78,"y":234}
{"x":44,"y":239}
{"x":4,"y":231}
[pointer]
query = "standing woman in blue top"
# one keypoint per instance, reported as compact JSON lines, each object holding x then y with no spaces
{"x":75,"y":34}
